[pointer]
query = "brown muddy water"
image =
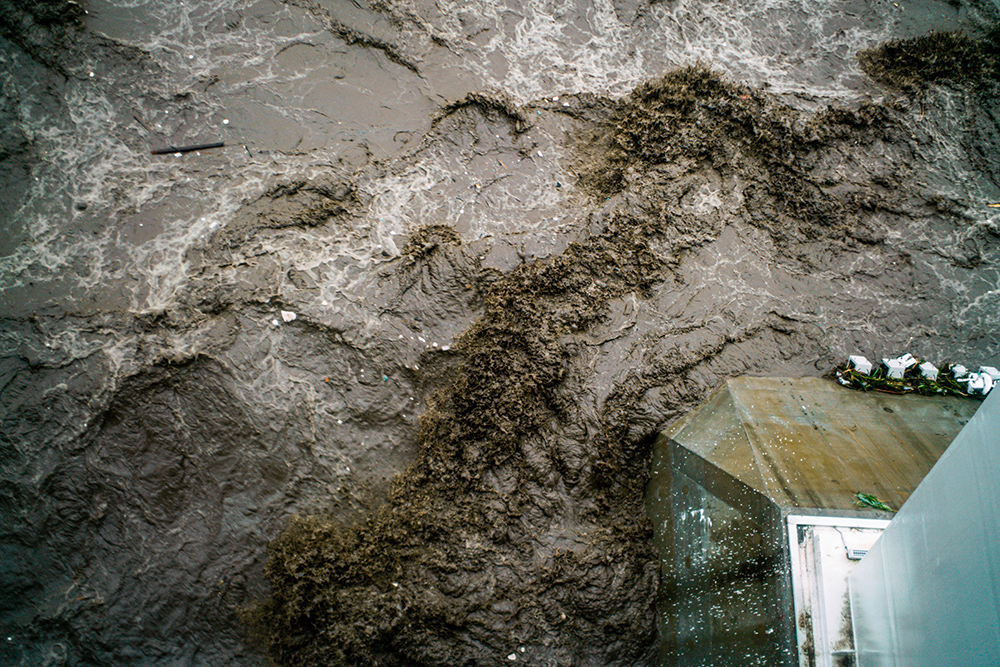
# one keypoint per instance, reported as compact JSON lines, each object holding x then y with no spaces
{"x":375,"y":383}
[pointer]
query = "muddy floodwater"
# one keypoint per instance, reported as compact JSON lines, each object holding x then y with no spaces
{"x":376,"y":382}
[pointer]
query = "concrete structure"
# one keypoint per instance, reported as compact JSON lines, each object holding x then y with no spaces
{"x":727,"y":478}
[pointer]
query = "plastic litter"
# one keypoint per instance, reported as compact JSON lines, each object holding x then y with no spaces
{"x":896,"y":368}
{"x":288,"y":316}
{"x":859,"y":363}
{"x":992,"y":372}
{"x":907,"y":373}
{"x":980,"y":384}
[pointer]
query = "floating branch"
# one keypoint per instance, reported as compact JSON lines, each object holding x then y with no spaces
{"x":186,"y":149}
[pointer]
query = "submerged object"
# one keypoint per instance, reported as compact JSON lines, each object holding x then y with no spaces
{"x":186,"y":149}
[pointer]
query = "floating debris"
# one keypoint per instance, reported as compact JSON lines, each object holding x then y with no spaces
{"x":288,"y":315}
{"x":896,"y":368}
{"x":978,"y":384}
{"x":906,"y":373}
{"x":186,"y":149}
{"x":861,"y":364}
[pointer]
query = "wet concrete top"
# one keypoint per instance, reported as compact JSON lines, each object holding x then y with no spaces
{"x":810,"y":443}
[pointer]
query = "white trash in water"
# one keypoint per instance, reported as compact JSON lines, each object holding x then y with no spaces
{"x":992,"y":372}
{"x":928,"y":370}
{"x":860,"y":364}
{"x":288,"y":315}
{"x":979,"y":383}
{"x":896,"y":368}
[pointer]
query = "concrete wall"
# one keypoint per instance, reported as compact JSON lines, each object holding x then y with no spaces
{"x":928,"y":593}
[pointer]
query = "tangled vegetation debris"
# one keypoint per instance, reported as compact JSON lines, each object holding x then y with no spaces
{"x":868,"y":500}
{"x":912,"y":382}
{"x":913,"y":64}
{"x":521,"y":523}
{"x":472,"y":531}
{"x":692,"y":119}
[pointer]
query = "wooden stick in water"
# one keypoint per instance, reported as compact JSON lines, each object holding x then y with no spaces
{"x":186,"y":149}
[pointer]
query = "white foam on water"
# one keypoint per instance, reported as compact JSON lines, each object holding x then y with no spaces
{"x":217,"y":61}
{"x":940,"y":126}
{"x":89,"y":195}
{"x":480,"y":194}
{"x":804,"y":48}
{"x":549,"y":48}
{"x":236,"y":60}
{"x":403,"y":202}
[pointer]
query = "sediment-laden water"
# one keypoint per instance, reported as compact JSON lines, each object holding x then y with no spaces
{"x":414,"y":324}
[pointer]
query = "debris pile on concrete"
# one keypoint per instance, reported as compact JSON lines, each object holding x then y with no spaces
{"x":907,"y":373}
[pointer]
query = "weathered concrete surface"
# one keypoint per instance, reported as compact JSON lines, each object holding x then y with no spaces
{"x":810,"y":443}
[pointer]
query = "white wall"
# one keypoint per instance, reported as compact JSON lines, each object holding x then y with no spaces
{"x":928,"y":593}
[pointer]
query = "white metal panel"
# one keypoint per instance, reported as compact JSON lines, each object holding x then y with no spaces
{"x":929,"y":591}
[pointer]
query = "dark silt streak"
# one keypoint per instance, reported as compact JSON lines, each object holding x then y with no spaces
{"x":444,"y":353}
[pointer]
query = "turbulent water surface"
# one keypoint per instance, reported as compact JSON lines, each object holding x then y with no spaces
{"x":454,"y":265}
